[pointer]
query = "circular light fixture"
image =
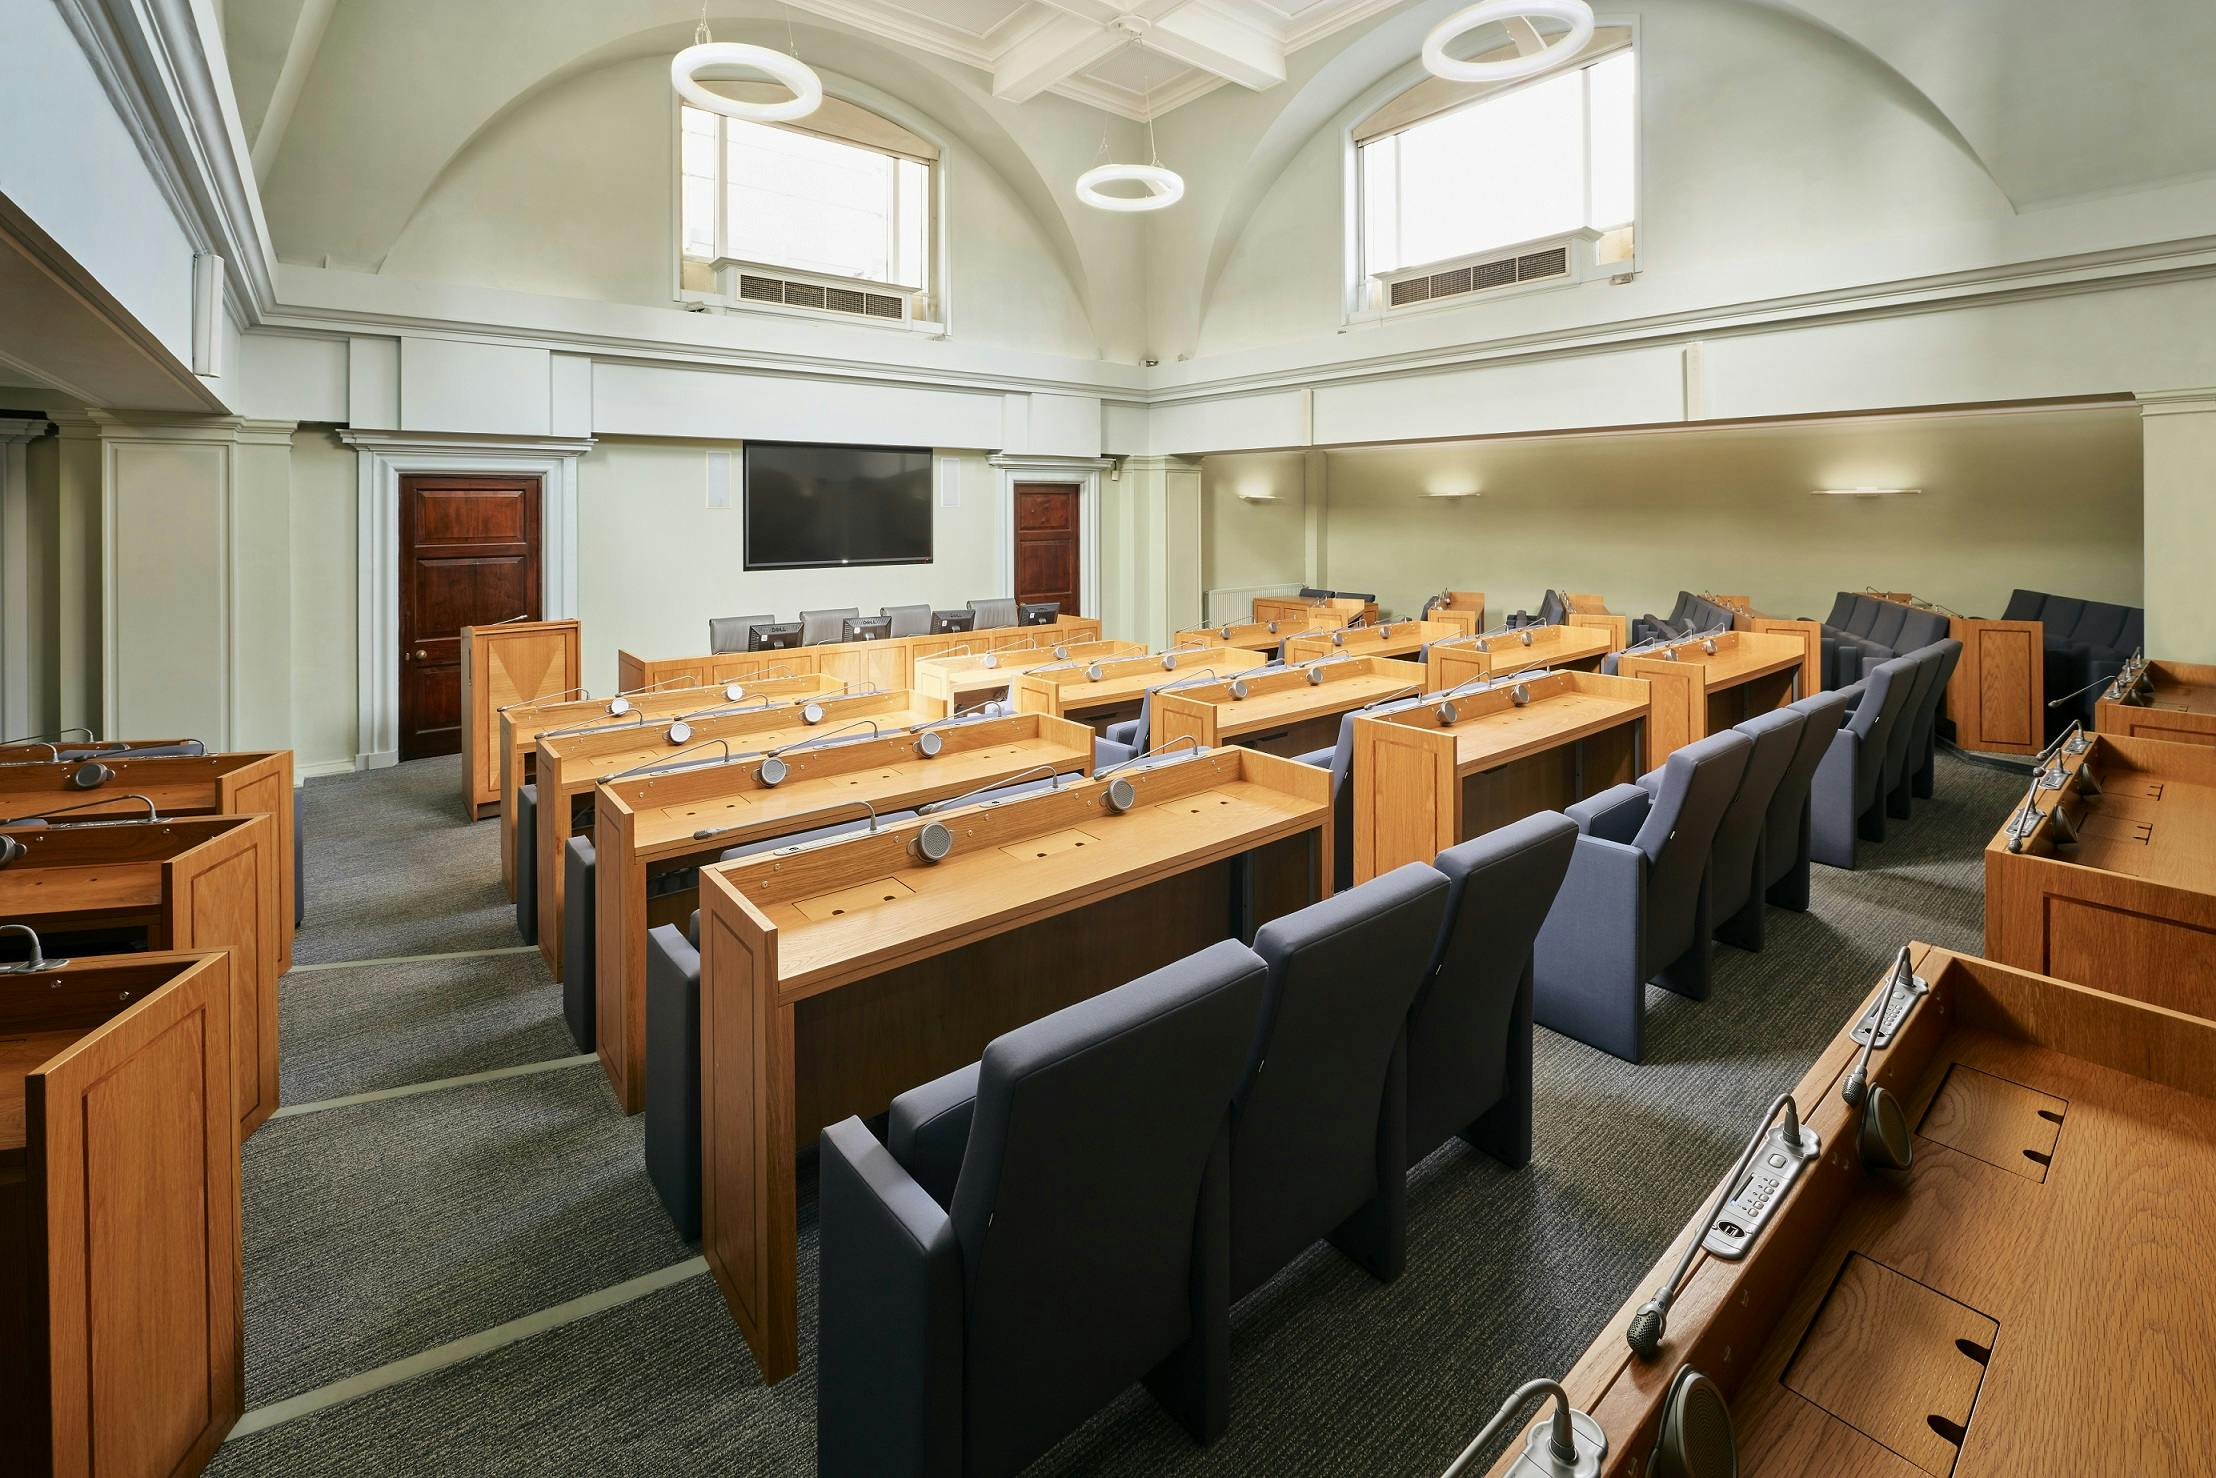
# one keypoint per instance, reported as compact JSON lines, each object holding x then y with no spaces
{"x":1575,"y":14}
{"x":1165,"y":187}
{"x":806,"y":87}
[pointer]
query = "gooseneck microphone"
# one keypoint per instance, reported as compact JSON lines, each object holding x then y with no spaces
{"x":38,"y":960}
{"x":710,"y":833}
{"x":1569,"y":1443}
{"x":1648,"y":1326}
{"x":1882,"y":1136}
{"x":152,"y":814}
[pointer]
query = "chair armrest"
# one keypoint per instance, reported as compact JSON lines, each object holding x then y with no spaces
{"x":927,"y":1131}
{"x":1125,"y":731}
{"x":1615,"y":815}
{"x":1108,"y":752}
{"x":889,"y":1344}
{"x":1320,"y":758}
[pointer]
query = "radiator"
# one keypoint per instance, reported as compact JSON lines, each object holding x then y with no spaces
{"x":1237,"y":603}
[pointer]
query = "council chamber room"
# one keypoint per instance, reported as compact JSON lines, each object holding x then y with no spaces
{"x":909,"y":738}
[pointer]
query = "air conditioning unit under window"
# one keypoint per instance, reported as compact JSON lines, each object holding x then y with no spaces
{"x":1552,"y":259}
{"x":755,"y":283}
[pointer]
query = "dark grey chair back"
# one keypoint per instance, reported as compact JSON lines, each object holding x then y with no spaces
{"x":580,"y":960}
{"x":728,"y":633}
{"x":1321,"y":1090}
{"x":1736,"y":859}
{"x":1923,"y":680}
{"x":909,"y":620}
{"x":824,"y":626}
{"x":1698,"y":783}
{"x":1785,"y":830}
{"x":1075,"y":1205}
{"x":527,"y":862}
{"x":1469,"y":1029}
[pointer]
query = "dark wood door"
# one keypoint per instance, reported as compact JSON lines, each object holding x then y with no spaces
{"x":469,"y":556}
{"x":1046,"y":543}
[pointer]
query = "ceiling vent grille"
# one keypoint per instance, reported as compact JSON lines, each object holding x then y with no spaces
{"x":1553,"y":260}
{"x":824,"y":298}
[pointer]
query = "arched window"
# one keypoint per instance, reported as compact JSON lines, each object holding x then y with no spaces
{"x":833,"y":214}
{"x":1471,"y":187}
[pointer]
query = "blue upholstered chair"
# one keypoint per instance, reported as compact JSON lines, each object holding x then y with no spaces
{"x":908,"y":620}
{"x":1864,"y":630}
{"x":1635,"y":906}
{"x":1735,"y":860}
{"x":1037,"y":1232}
{"x":1469,"y":1029}
{"x":1924,"y":748}
{"x":1319,"y":1134}
{"x":527,"y":862}
{"x":997,"y":612}
{"x":1904,"y":752}
{"x":1846,"y":804}
{"x":1786,"y":834}
{"x":729,"y":633}
{"x":2086,"y":642}
{"x":817,"y":627}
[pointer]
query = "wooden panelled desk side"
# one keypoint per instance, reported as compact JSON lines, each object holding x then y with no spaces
{"x":521,"y":726}
{"x":1296,"y":611}
{"x":1990,"y":1311}
{"x":1288,"y":712}
{"x":962,"y":679}
{"x":570,"y":765}
{"x":1385,"y":639}
{"x":239,"y":783}
{"x":1591,"y":610}
{"x":192,"y":884}
{"x":1704,"y":685}
{"x":888,"y":663}
{"x":1103,"y":691}
{"x":1810,"y":633}
{"x":1259,"y":636}
{"x":837,"y":976}
{"x":1572,"y":646}
{"x":1436,"y":773}
{"x":652,"y":823}
{"x":2175,"y":701}
{"x":1464,"y":610}
{"x":512,"y":662}
{"x":1997,"y":698}
{"x":2121,"y":891}
{"x":121,"y":1305}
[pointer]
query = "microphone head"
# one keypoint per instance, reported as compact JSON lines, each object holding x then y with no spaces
{"x":1644,"y":1332}
{"x":10,"y":849}
{"x":90,"y":776}
{"x":1856,"y":1087}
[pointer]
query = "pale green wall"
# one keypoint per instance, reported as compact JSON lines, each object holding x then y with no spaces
{"x":1247,"y":542}
{"x":324,"y":541}
{"x":2181,"y":528}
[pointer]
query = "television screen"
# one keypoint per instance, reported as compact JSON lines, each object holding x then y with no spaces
{"x":836,"y":505}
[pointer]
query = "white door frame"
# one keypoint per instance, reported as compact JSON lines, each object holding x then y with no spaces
{"x":382,"y":459}
{"x":1084,"y":472}
{"x":16,"y":435}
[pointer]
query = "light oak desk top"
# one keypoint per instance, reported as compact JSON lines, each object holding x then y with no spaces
{"x":1261,"y":636}
{"x":1293,"y":710}
{"x":2032,"y":1296}
{"x":834,"y":977}
{"x":1386,"y":639}
{"x":1072,"y":690}
{"x":2130,"y":904}
{"x":2176,"y":701}
{"x":521,"y":724}
{"x":653,"y":822}
{"x":889,"y":661}
{"x":570,"y":765}
{"x":1436,"y":773}
{"x":1458,"y":659}
{"x":1697,"y":691}
{"x":960,"y":679}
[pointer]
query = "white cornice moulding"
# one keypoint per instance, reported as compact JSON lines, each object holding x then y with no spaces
{"x":2176,"y":402}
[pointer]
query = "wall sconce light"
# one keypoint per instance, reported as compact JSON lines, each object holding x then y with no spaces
{"x":1865,"y":492}
{"x":1452,"y":493}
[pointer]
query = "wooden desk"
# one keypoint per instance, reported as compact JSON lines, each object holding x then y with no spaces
{"x":503,"y":665}
{"x":189,"y":883}
{"x":1595,"y":612}
{"x":648,"y":825}
{"x":889,"y":663}
{"x":835,"y":977}
{"x":1462,"y":659}
{"x":521,"y":726}
{"x":2177,"y":702}
{"x":1697,"y":692}
{"x":41,"y":753}
{"x":1424,"y":783}
{"x":1464,"y":610}
{"x":570,"y":765}
{"x":2031,"y":1297}
{"x":1072,"y":691}
{"x":121,"y":1310}
{"x":238,"y":784}
{"x":962,"y":680}
{"x":1296,"y":611}
{"x":1261,"y":636}
{"x":1997,"y":698}
{"x":1386,"y":639}
{"x":2130,"y":907}
{"x":1289,"y":712}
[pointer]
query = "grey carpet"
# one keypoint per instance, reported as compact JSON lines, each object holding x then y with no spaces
{"x":358,"y":1029}
{"x":1509,"y":1275}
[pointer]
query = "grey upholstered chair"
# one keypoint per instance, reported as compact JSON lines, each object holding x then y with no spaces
{"x":579,"y":961}
{"x":1339,"y":760}
{"x":1785,"y":838}
{"x":1899,"y":763}
{"x":1636,"y":904}
{"x":1037,"y":1232}
{"x":1735,"y":861}
{"x":1469,"y":1030}
{"x":999,"y":611}
{"x":1319,"y":1134}
{"x":909,"y":620}
{"x":527,"y":862}
{"x":817,"y":627}
{"x":729,"y":633}
{"x":1923,"y":750}
{"x":1846,"y":804}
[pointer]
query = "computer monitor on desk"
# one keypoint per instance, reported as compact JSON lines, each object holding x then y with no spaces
{"x":946,"y":622}
{"x":866,"y":628}
{"x":772,"y":636}
{"x":1038,"y":613}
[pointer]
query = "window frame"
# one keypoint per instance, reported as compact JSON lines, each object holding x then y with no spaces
{"x":934,"y":316}
{"x":1359,"y":305}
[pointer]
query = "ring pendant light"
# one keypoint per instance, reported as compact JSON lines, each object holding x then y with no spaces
{"x":1576,"y":14}
{"x":787,"y":70}
{"x":1164,"y":186}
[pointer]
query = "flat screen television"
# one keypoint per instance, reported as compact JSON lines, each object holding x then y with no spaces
{"x":811,"y":506}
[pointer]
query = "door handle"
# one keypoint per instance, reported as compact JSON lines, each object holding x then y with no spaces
{"x":420,"y":654}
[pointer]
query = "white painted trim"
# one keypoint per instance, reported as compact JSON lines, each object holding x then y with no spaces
{"x":382,"y":458}
{"x":1084,"y":472}
{"x":16,"y":436}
